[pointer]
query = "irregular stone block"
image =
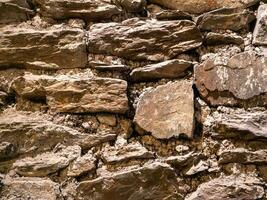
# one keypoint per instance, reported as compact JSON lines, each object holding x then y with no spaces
{"x":167,"y":111}
{"x":55,"y":48}
{"x":125,"y":152}
{"x":30,"y":188}
{"x":75,"y":94}
{"x":46,"y":163}
{"x":15,"y":11}
{"x":152,"y":181}
{"x":239,"y":81}
{"x":224,"y":19}
{"x":167,"y":69}
{"x":229,"y":187}
{"x":198,"y":7}
{"x":244,"y":156}
{"x":219,"y":38}
{"x":239,"y":124}
{"x":89,"y":10}
{"x":136,"y":39}
{"x":30,"y":133}
{"x":260,"y":31}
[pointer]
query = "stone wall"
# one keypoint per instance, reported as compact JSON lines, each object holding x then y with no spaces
{"x":133,"y":99}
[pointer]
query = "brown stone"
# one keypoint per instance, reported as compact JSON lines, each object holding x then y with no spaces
{"x":131,"y":5}
{"x":219,"y":38}
{"x":46,"y":163}
{"x":241,"y":80}
{"x":55,"y":48}
{"x":15,"y":11}
{"x":124,"y":152}
{"x":173,"y":15}
{"x":229,"y":187}
{"x":74,"y":94}
{"x":260,"y":31}
{"x":239,"y":124}
{"x":198,"y":7}
{"x":224,"y":19}
{"x":167,"y":69}
{"x":32,"y":133}
{"x":156,"y":181}
{"x":167,"y":111}
{"x":136,"y":39}
{"x":89,"y":10}
{"x":244,"y":156}
{"x":30,"y":188}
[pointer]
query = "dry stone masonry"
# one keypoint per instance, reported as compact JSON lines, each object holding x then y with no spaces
{"x":133,"y":99}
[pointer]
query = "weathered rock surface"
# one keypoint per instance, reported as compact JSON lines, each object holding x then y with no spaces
{"x":219,"y":38}
{"x":197,"y":7}
{"x":260,"y":31}
{"x":89,"y":10}
{"x":173,"y":15}
{"x":167,"y":111}
{"x":30,"y":188}
{"x":32,"y":133}
{"x":74,"y":94}
{"x":239,"y":80}
{"x":238,"y":124}
{"x":14,"y":11}
{"x":156,"y":181}
{"x":46,"y":163}
{"x":82,"y":165}
{"x":225,"y":18}
{"x":167,"y":69}
{"x":131,"y":5}
{"x":240,"y":187}
{"x":25,"y":47}
{"x":136,"y":39}
{"x":124,"y":152}
{"x":244,"y":156}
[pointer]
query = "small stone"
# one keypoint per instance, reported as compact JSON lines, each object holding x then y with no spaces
{"x":107,"y":119}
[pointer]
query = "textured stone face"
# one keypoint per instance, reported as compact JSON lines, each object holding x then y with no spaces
{"x":14,"y":11}
{"x":241,"y":81}
{"x":198,"y":7}
{"x":244,"y":156}
{"x":47,"y":163}
{"x":168,"y":69}
{"x":136,"y":39}
{"x":75,"y":95}
{"x":156,"y":181}
{"x":238,"y":124}
{"x":31,"y":188}
{"x":229,"y":187}
{"x":89,"y":10}
{"x":26,"y":133}
{"x":260,"y":31}
{"x":42,"y":49}
{"x":167,"y":111}
{"x":224,"y":19}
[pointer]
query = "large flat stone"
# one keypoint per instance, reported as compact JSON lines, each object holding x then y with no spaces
{"x":198,"y":7}
{"x":89,"y":10}
{"x":30,"y":188}
{"x":167,"y":69}
{"x":229,"y":187}
{"x":152,"y":181}
{"x":14,"y":11}
{"x":31,"y":133}
{"x":74,"y":94}
{"x":136,"y":39}
{"x":237,"y":124}
{"x":46,"y":163}
{"x":55,"y":48}
{"x":167,"y":111}
{"x":224,"y":19}
{"x":260,"y":31}
{"x":238,"y":81}
{"x":244,"y":156}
